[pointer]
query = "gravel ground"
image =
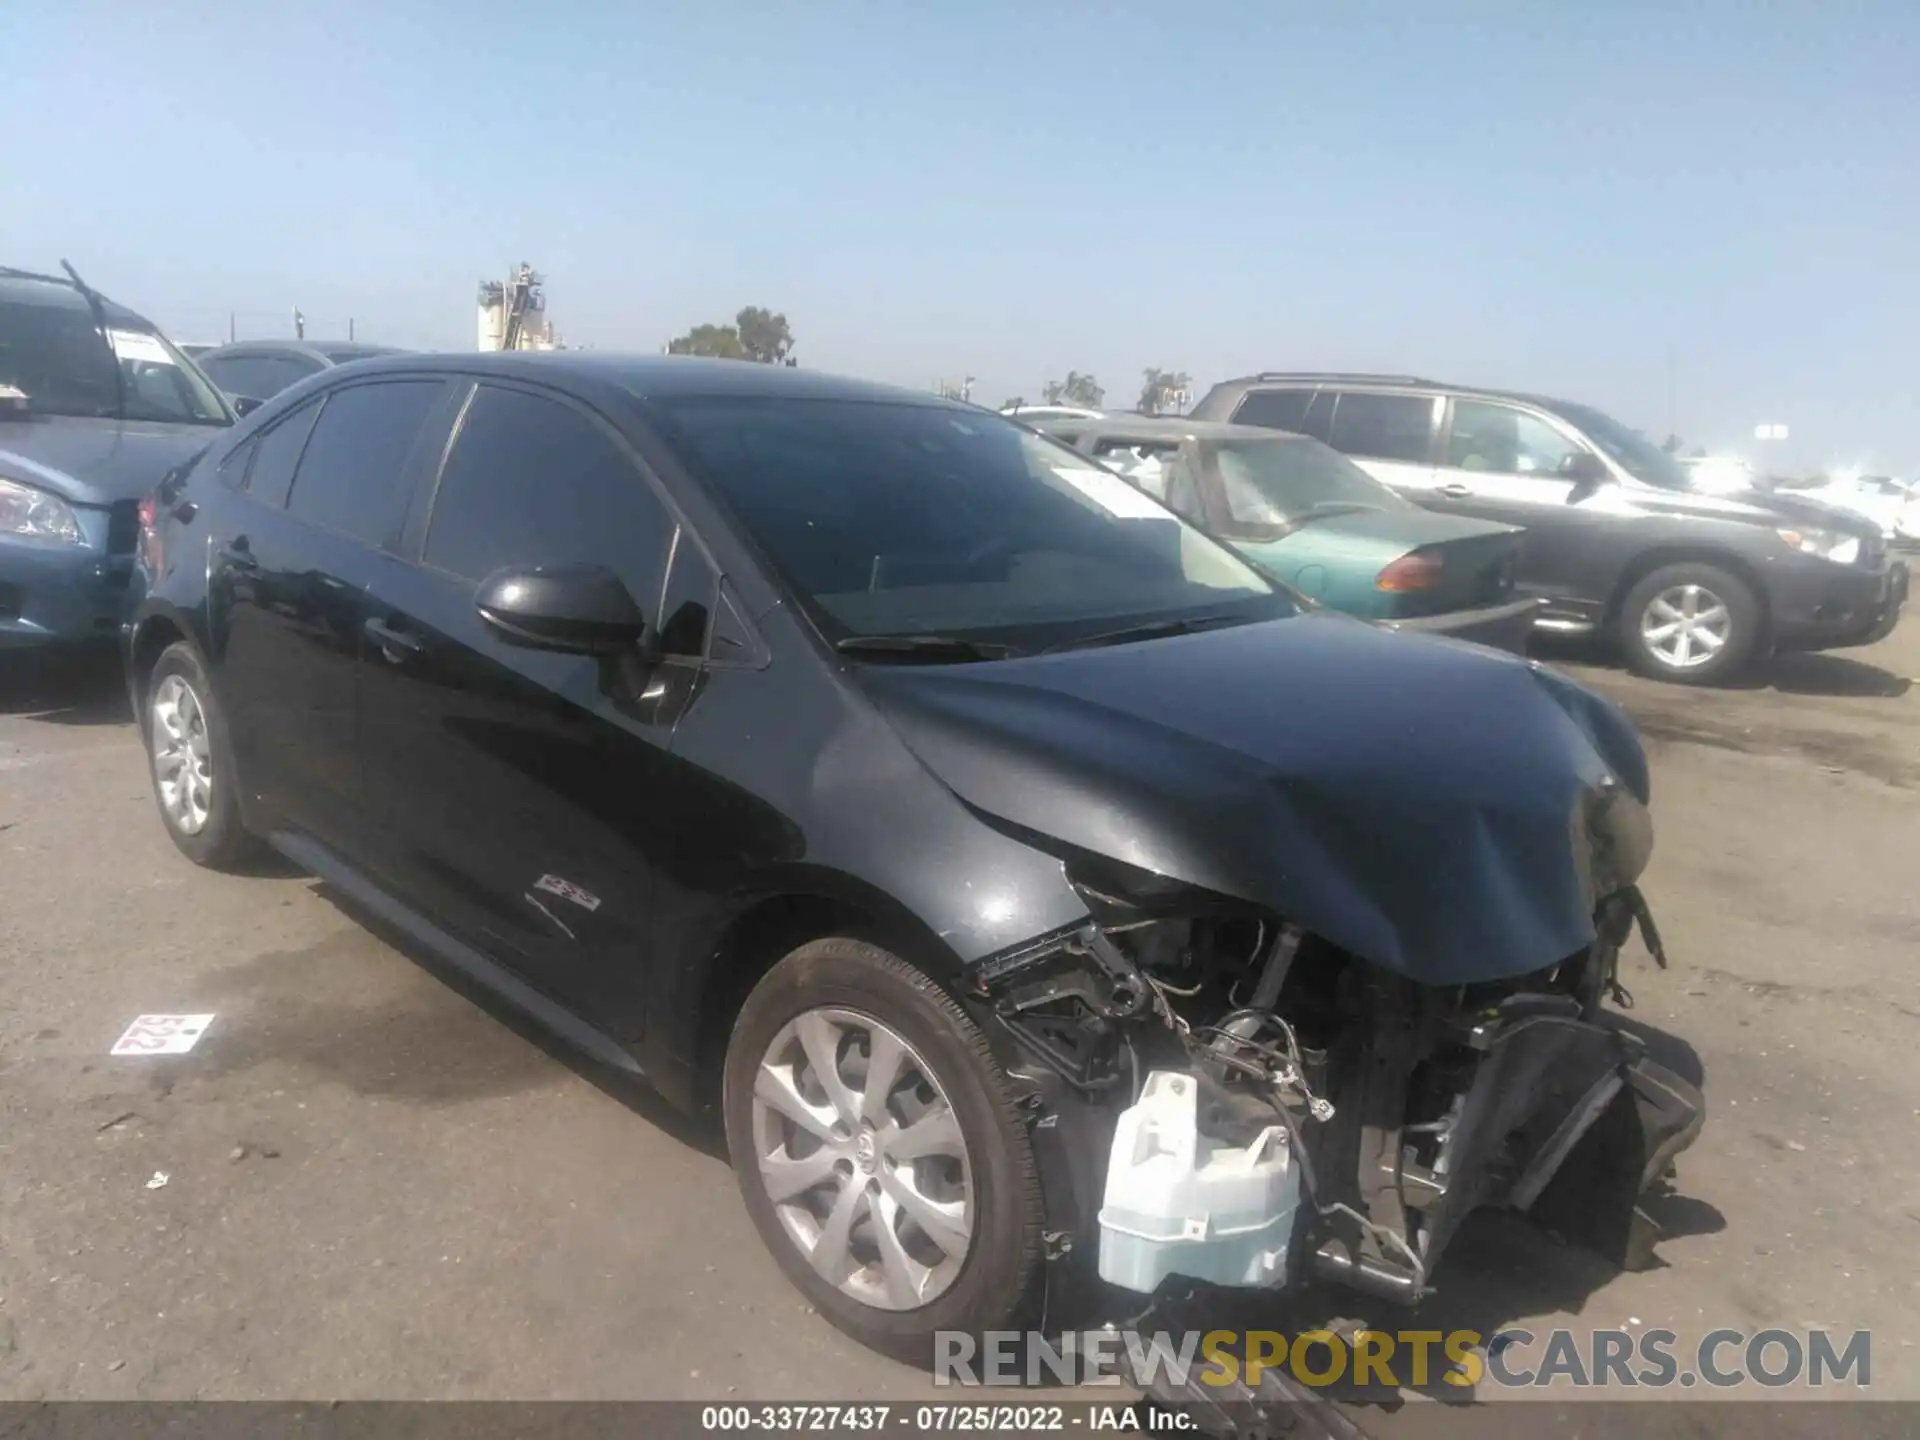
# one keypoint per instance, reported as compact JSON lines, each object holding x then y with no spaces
{"x":378,"y":1186}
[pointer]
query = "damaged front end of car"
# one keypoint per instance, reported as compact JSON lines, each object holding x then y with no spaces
{"x":1223,"y":1096}
{"x":1350,"y":967}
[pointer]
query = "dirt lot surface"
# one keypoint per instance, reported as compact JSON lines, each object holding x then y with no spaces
{"x":377,"y":1187}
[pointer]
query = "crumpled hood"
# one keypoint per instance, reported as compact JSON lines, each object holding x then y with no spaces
{"x":1436,"y":808}
{"x":96,"y":462}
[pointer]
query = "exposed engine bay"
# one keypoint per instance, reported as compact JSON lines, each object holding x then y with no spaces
{"x":1252,"y":1105}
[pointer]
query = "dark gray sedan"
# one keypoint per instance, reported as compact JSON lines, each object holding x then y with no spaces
{"x":260,"y":369}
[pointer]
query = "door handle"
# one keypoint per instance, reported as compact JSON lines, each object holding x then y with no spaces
{"x":238,"y":557}
{"x":1454,"y":490}
{"x":396,"y":645}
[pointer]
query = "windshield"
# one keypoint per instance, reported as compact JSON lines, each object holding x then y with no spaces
{"x":53,"y":354}
{"x":1280,"y":483}
{"x":1628,"y":448}
{"x":902,"y":519}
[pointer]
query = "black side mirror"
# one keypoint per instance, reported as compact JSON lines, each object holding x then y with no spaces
{"x":1588,"y":472}
{"x":574,"y":609}
{"x":245,"y":405}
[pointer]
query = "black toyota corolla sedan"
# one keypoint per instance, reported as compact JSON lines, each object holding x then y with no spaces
{"x":1023,"y":876}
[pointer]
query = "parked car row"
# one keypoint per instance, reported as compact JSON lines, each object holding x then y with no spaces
{"x":1612,"y":536}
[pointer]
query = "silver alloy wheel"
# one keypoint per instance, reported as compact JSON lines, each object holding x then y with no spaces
{"x":1685,"y":626}
{"x":182,"y":755}
{"x":862,"y":1155}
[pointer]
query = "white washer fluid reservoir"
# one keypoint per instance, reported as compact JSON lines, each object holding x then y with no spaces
{"x":1178,"y":1203}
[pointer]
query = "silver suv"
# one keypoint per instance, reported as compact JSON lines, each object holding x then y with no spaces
{"x":1618,"y":540}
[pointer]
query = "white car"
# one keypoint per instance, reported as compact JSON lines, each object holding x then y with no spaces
{"x":1907,"y":525}
{"x":1893,"y":505}
{"x":1034,"y":414}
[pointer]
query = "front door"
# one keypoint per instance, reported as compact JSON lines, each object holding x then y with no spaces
{"x":521,"y":790}
{"x":1505,"y":463}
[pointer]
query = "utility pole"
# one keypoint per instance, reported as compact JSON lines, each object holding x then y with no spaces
{"x":299,"y":324}
{"x":230,"y":327}
{"x":349,"y":327}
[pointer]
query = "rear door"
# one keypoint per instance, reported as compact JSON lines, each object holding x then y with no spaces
{"x":323,"y":489}
{"x":521,"y":792}
{"x":1391,"y":436}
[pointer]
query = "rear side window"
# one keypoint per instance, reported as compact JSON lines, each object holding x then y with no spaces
{"x":275,"y":454}
{"x":351,"y":471}
{"x":1150,"y":464}
{"x":233,"y":469}
{"x":534,"y":482}
{"x":1383,"y":427}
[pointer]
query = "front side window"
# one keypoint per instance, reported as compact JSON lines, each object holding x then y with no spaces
{"x":1383,"y":427}
{"x":1281,"y":484}
{"x":355,"y":461}
{"x":904,"y":519}
{"x":52,"y":353}
{"x":1626,"y":447}
{"x":1506,"y":441}
{"x":531,"y":481}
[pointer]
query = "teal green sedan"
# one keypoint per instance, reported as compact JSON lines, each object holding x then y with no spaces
{"x":1309,"y":515}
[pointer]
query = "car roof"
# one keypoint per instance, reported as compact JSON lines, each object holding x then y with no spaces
{"x":327,"y":350}
{"x":1356,"y":379}
{"x":341,"y":351}
{"x":1166,"y":427}
{"x":650,"y":377}
{"x":57,"y":290}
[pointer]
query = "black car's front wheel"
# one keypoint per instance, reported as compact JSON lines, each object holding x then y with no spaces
{"x":879,"y":1150}
{"x":1692,"y":623}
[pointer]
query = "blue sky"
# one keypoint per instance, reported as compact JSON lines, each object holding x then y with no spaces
{"x":1697,"y":215}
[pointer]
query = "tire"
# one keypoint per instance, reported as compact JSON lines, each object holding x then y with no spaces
{"x":848,"y":986}
{"x":1663,"y":640}
{"x":182,"y":723}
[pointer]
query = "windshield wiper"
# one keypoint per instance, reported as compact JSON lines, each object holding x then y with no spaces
{"x":922,"y":647}
{"x":1150,"y":630}
{"x":96,"y":306}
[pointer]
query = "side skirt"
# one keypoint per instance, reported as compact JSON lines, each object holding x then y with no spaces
{"x":312,"y":856}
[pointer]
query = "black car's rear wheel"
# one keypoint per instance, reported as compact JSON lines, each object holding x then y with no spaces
{"x":1692,"y":623}
{"x":879,"y":1150}
{"x":195,"y":783}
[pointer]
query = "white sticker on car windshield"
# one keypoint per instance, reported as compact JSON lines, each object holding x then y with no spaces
{"x":1110,"y":493}
{"x":137,"y":345}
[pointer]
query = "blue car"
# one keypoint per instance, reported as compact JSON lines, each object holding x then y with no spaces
{"x":96,"y":407}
